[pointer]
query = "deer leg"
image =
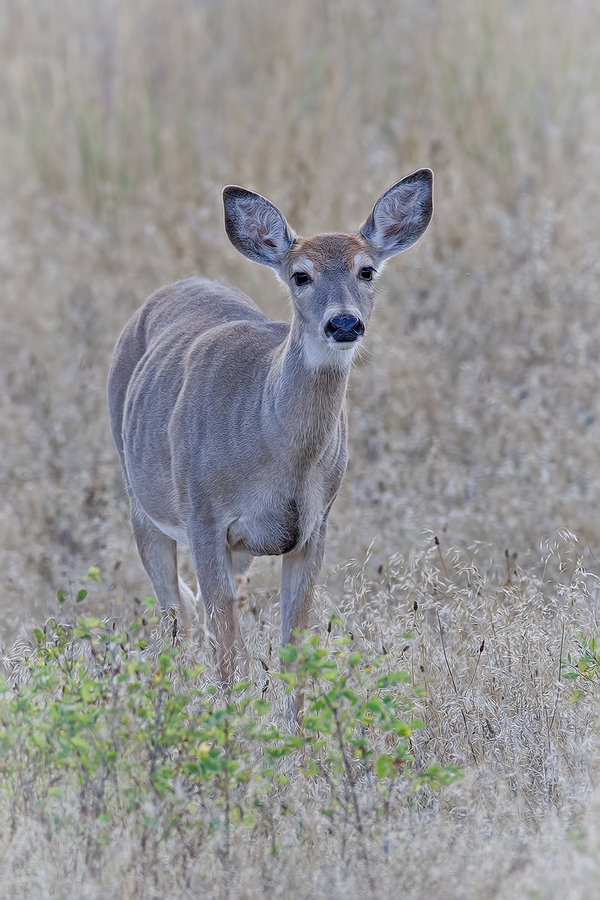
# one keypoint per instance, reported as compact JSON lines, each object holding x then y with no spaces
{"x":216,"y":581}
{"x":159,"y":556}
{"x":299,"y":572}
{"x":241,"y":562}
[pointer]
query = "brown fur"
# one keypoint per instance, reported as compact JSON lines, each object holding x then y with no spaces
{"x":323,"y":248}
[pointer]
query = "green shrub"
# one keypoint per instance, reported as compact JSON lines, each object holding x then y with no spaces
{"x":98,"y":724}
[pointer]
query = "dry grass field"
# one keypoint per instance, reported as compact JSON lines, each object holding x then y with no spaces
{"x":474,"y":413}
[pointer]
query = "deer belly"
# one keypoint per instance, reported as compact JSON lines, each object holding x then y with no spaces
{"x":271,"y":533}
{"x":172,"y":531}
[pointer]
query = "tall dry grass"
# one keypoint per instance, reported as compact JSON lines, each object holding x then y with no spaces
{"x":481,"y":645}
{"x":475,"y":415}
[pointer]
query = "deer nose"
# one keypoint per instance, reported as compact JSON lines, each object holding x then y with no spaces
{"x":344,"y":328}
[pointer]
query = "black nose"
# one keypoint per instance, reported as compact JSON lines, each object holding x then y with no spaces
{"x":344,"y":328}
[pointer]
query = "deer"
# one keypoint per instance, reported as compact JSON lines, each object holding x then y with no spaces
{"x":231,"y":427}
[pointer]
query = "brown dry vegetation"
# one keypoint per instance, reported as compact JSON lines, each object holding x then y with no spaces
{"x":475,"y":415}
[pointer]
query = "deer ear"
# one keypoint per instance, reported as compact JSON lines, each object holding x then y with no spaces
{"x":401,"y":215}
{"x":255,"y":227}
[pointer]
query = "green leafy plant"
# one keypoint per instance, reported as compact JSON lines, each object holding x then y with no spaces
{"x":99,"y":722}
{"x":357,"y":728}
{"x":583,"y":667}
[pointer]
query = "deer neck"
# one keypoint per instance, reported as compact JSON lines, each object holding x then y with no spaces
{"x":304,"y":398}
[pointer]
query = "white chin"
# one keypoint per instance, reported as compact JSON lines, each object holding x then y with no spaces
{"x":328,"y":354}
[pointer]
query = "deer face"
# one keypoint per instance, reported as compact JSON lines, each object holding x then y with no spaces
{"x":330,"y":276}
{"x":331,"y":280}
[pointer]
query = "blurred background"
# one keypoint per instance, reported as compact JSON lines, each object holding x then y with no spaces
{"x":475,"y":413}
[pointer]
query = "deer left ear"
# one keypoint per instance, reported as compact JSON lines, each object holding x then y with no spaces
{"x":401,"y":215}
{"x":255,"y":227}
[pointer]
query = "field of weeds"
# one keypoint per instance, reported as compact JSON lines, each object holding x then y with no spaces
{"x":464,"y":545}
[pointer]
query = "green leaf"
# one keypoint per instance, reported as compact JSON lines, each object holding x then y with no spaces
{"x":385,"y":768}
{"x":93,"y":573}
{"x":289,"y":678}
{"x":60,"y":597}
{"x":288,"y":654}
{"x":402,"y":729}
{"x":242,"y":816}
{"x":393,"y":678}
{"x":89,"y":691}
{"x":374,"y":704}
{"x":81,"y":595}
{"x":261,"y":707}
{"x":310,"y":768}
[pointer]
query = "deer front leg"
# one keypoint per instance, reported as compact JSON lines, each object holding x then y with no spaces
{"x":215,"y":574}
{"x":159,"y":556}
{"x":299,"y":572}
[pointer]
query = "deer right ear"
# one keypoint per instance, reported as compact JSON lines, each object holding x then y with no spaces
{"x":401,"y":215}
{"x":255,"y":227}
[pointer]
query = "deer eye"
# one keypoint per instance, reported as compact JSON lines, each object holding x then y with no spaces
{"x":301,"y":278}
{"x":366,"y":273}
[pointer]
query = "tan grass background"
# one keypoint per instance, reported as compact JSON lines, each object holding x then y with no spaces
{"x":475,"y":415}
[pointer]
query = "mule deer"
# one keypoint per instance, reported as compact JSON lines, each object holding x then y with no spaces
{"x":232,"y":428}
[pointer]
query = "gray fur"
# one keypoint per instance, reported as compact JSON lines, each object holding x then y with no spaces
{"x":231,"y":428}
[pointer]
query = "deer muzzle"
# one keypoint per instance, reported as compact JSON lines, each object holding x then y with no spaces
{"x":344,"y":329}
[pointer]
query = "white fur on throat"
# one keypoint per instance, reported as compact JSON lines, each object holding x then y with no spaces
{"x":327,"y":354}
